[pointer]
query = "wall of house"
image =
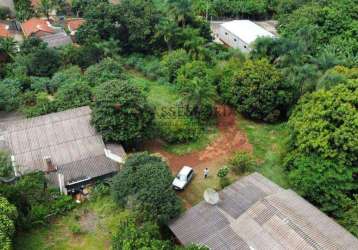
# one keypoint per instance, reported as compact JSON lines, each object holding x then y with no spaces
{"x":231,"y":40}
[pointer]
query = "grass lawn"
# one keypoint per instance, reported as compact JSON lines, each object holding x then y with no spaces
{"x":97,"y":220}
{"x":269,"y":143}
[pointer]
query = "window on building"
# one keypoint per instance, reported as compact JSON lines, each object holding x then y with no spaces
{"x":225,"y":33}
{"x":235,"y":40}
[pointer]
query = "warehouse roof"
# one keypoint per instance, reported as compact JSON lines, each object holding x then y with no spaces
{"x":246,"y":30}
{"x":67,"y":138}
{"x":255,"y":213}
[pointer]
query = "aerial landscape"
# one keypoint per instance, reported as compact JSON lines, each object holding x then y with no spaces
{"x":178,"y":124}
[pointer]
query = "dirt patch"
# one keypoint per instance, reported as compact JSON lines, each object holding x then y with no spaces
{"x":230,"y":139}
{"x":88,"y":222}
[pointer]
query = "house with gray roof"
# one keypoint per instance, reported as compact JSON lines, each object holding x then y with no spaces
{"x":65,"y":146}
{"x":255,"y":213}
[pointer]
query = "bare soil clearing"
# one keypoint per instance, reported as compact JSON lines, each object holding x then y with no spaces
{"x":230,"y":140}
{"x":214,"y":156}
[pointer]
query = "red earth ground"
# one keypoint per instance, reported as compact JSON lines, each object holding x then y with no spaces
{"x":229,"y":140}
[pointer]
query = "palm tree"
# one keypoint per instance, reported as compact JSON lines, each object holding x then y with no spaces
{"x":110,"y":47}
{"x":193,"y":42}
{"x":198,"y":95}
{"x":45,"y":7}
{"x":181,"y":9}
{"x":8,"y":46}
{"x":166,"y":29}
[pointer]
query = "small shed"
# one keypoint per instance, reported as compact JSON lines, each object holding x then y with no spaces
{"x":241,"y":34}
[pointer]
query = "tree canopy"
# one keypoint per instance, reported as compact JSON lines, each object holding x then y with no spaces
{"x":121,"y":112}
{"x":324,"y":147}
{"x":145,"y":180}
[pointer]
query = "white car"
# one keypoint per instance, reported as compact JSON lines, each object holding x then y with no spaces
{"x":183,"y":178}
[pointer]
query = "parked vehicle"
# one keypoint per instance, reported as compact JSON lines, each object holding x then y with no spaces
{"x":183,"y":178}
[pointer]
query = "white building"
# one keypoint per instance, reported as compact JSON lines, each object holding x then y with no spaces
{"x":241,"y":34}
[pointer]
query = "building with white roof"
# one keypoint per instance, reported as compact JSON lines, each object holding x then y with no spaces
{"x":241,"y":34}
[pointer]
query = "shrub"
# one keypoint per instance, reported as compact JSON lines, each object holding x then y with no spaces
{"x":40,"y":84}
{"x":73,"y":95}
{"x":242,"y":162}
{"x":223,"y":172}
{"x":43,"y":105}
{"x":190,"y":70}
{"x":75,"y":228}
{"x":9,"y":96}
{"x":100,"y":190}
{"x":105,"y":70}
{"x":5,"y":164}
{"x":224,"y":182}
{"x":172,"y":61}
{"x":63,"y":77}
{"x":34,"y":203}
{"x":133,"y":235}
{"x":8,"y":215}
{"x":178,"y":129}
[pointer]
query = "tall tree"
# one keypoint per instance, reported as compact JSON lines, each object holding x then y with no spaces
{"x":8,"y":47}
{"x":121,"y":112}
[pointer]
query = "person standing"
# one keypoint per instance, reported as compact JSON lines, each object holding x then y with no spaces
{"x":206,"y":172}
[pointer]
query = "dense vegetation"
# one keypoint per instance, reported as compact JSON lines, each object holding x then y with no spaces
{"x":121,"y":112}
{"x":307,"y":76}
{"x":8,"y":215}
{"x":145,"y":184}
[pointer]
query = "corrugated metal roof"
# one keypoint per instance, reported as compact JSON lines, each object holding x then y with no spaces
{"x":57,"y":40}
{"x":67,"y":138}
{"x":254,"y":212}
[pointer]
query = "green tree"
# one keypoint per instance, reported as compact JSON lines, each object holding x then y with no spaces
{"x":199,"y":96}
{"x":191,"y":70}
{"x":9,"y":96}
{"x":32,"y":44}
{"x":105,"y":70}
{"x":45,"y":7}
{"x":181,"y":10}
{"x":24,"y":10}
{"x":324,"y":147}
{"x":44,"y":62}
{"x":8,"y":214}
{"x":121,"y":112}
{"x":64,"y":77}
{"x":145,"y":180}
{"x":8,"y":47}
{"x":73,"y":95}
{"x":167,"y":29}
{"x":172,"y":61}
{"x":257,"y":89}
{"x":83,"y":56}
